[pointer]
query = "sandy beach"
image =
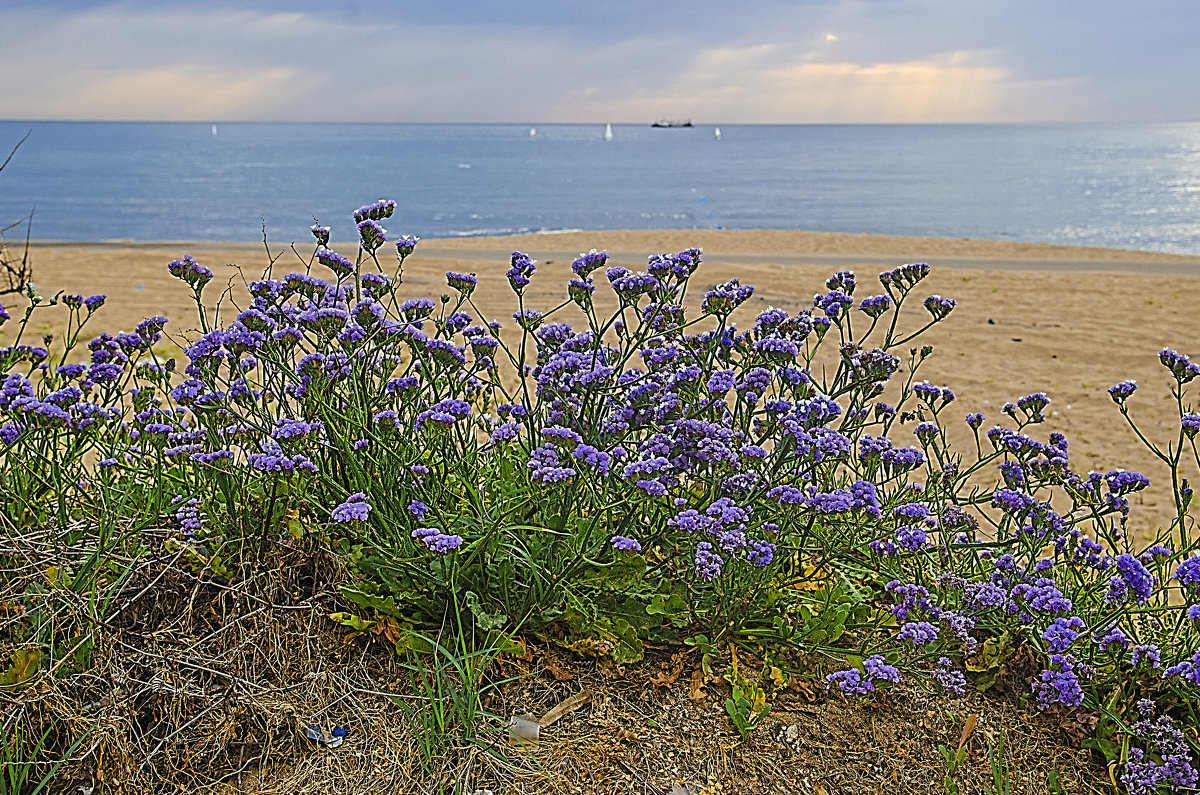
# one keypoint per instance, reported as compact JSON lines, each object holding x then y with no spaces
{"x":1068,"y":321}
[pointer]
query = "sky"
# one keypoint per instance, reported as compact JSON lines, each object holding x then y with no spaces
{"x":747,"y":61}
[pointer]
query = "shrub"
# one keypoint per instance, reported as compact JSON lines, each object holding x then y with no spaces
{"x":650,"y":474}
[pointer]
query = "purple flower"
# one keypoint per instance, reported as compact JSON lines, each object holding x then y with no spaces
{"x":875,"y":306}
{"x":1133,"y":578}
{"x":625,"y":544}
{"x":1188,"y":573}
{"x":371,"y":235}
{"x":725,"y":297}
{"x":939,"y":307}
{"x":852,"y":682}
{"x":721,"y":382}
{"x":632,"y":286}
{"x":1121,"y":481}
{"x":833,"y":304}
{"x":418,"y":509}
{"x":464,"y":283}
{"x":1113,"y":639}
{"x":910,"y":538}
{"x":1122,"y":391}
{"x":546,"y":468}
{"x":277,"y":462}
{"x":293,"y":429}
{"x":905,"y":277}
{"x":1062,"y":633}
{"x":437,"y":541}
{"x":1183,"y":368}
{"x":1173,"y":768}
{"x":505,"y":432}
{"x":777,"y":350}
{"x":591,"y":457}
{"x":186,"y":269}
{"x":843,"y":281}
{"x":189,"y":516}
{"x":1145,"y":654}
{"x":528,"y":319}
{"x":1033,"y":405}
{"x":520,"y":273}
{"x":444,"y":353}
{"x":355,"y":508}
{"x":760,"y":553}
{"x":1059,"y":683}
{"x":952,"y":682}
{"x":405,"y":245}
{"x":589,"y":262}
{"x":1187,"y":669}
{"x":911,"y":511}
{"x":708,"y":562}
{"x":375,"y":211}
{"x":919,"y":633}
{"x":912,"y":597}
{"x":901,"y":459}
{"x":1043,"y":596}
{"x":335,"y":262}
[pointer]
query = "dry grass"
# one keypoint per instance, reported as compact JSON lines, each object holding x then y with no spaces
{"x":198,"y":685}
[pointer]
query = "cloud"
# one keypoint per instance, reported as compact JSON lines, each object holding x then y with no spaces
{"x":187,"y":91}
{"x":888,"y":61}
{"x":768,"y":83}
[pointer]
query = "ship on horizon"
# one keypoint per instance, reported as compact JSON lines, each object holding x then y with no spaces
{"x":672,"y":123}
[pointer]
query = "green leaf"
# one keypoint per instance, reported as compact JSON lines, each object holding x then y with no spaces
{"x":628,"y":646}
{"x":24,"y":665}
{"x":1110,"y":750}
{"x":357,"y":623}
{"x":992,"y":654}
{"x":485,"y":620}
{"x":667,"y":605}
{"x":370,"y":601}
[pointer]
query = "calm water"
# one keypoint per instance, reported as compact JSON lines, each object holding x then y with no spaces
{"x":1126,"y":185}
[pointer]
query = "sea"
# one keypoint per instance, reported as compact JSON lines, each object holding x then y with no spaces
{"x":1126,"y":185}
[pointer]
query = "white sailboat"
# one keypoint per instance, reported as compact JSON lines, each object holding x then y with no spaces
{"x":717,"y":134}
{"x":214,"y":129}
{"x":608,"y":135}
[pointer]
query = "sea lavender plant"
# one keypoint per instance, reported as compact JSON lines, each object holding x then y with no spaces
{"x":651,"y":475}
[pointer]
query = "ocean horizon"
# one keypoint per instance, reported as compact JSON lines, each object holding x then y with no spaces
{"x":1120,"y":185}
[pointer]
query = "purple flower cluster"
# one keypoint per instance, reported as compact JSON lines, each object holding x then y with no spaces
{"x":437,"y":541}
{"x":739,"y":446}
{"x":952,"y":681}
{"x":521,"y":272}
{"x":375,"y":211}
{"x":626,"y":544}
{"x":1181,"y":367}
{"x":354,"y":508}
{"x":189,"y":515}
{"x":1170,"y":766}
{"x":918,"y":633}
{"x":724,"y":298}
{"x":464,"y":283}
{"x":585,"y":264}
{"x":1059,"y":682}
{"x":853,"y":682}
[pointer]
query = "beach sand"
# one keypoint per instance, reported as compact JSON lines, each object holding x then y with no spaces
{"x":1064,"y":320}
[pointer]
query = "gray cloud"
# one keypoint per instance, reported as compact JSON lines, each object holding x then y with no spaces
{"x":537,"y":60}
